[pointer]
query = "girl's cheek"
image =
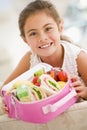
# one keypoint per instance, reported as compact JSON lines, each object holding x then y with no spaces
{"x":56,"y":38}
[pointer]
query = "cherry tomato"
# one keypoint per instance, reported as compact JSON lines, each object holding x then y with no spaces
{"x":62,"y":76}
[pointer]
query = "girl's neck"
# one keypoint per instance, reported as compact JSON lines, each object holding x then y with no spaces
{"x":56,"y":60}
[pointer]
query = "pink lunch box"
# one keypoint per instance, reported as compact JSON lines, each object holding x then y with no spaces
{"x":41,"y":111}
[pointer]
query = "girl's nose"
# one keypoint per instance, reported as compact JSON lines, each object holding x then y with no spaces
{"x":43,"y":38}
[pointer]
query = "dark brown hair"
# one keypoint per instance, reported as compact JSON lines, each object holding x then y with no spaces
{"x":38,"y":6}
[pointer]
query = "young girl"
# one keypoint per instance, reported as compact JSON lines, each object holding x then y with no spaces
{"x":41,"y":28}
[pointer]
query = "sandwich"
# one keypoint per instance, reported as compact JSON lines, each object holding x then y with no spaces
{"x":25,"y":91}
{"x":49,"y":85}
{"x":37,"y":93}
{"x":17,"y":84}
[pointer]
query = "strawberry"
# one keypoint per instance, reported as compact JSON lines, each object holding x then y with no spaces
{"x":36,"y":80}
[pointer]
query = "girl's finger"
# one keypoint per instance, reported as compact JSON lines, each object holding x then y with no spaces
{"x":76,"y":84}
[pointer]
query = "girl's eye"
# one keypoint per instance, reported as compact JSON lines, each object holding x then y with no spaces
{"x":33,"y":34}
{"x":48,"y":28}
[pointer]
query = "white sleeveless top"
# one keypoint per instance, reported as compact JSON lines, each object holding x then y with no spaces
{"x":71,"y":53}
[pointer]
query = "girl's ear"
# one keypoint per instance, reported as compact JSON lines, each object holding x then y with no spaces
{"x":61,"y":26}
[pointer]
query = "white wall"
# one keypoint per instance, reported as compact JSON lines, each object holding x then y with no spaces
{"x":12,"y":48}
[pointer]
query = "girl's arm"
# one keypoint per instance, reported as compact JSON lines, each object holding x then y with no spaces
{"x":23,"y":66}
{"x":80,"y":87}
{"x":82,"y":66}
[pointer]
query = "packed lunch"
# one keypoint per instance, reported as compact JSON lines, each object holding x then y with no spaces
{"x":41,"y":85}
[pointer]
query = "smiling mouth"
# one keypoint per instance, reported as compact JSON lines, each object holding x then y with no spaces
{"x":46,"y":45}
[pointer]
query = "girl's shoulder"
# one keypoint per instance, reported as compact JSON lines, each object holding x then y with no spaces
{"x":72,"y":48}
{"x":26,"y":59}
{"x":26,"y":56}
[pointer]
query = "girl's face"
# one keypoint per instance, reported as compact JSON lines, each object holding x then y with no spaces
{"x":42,"y":34}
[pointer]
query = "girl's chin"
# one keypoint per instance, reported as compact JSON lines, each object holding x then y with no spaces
{"x":46,"y":52}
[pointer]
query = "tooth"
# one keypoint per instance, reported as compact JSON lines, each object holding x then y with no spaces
{"x":45,"y":45}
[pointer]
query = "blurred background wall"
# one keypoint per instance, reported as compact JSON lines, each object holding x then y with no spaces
{"x":12,"y":48}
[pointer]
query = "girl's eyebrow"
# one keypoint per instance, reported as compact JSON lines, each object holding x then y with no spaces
{"x":47,"y":24}
{"x":30,"y":30}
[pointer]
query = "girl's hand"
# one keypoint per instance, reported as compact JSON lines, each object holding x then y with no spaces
{"x":80,"y":88}
{"x":5,"y":108}
{"x":0,"y":91}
